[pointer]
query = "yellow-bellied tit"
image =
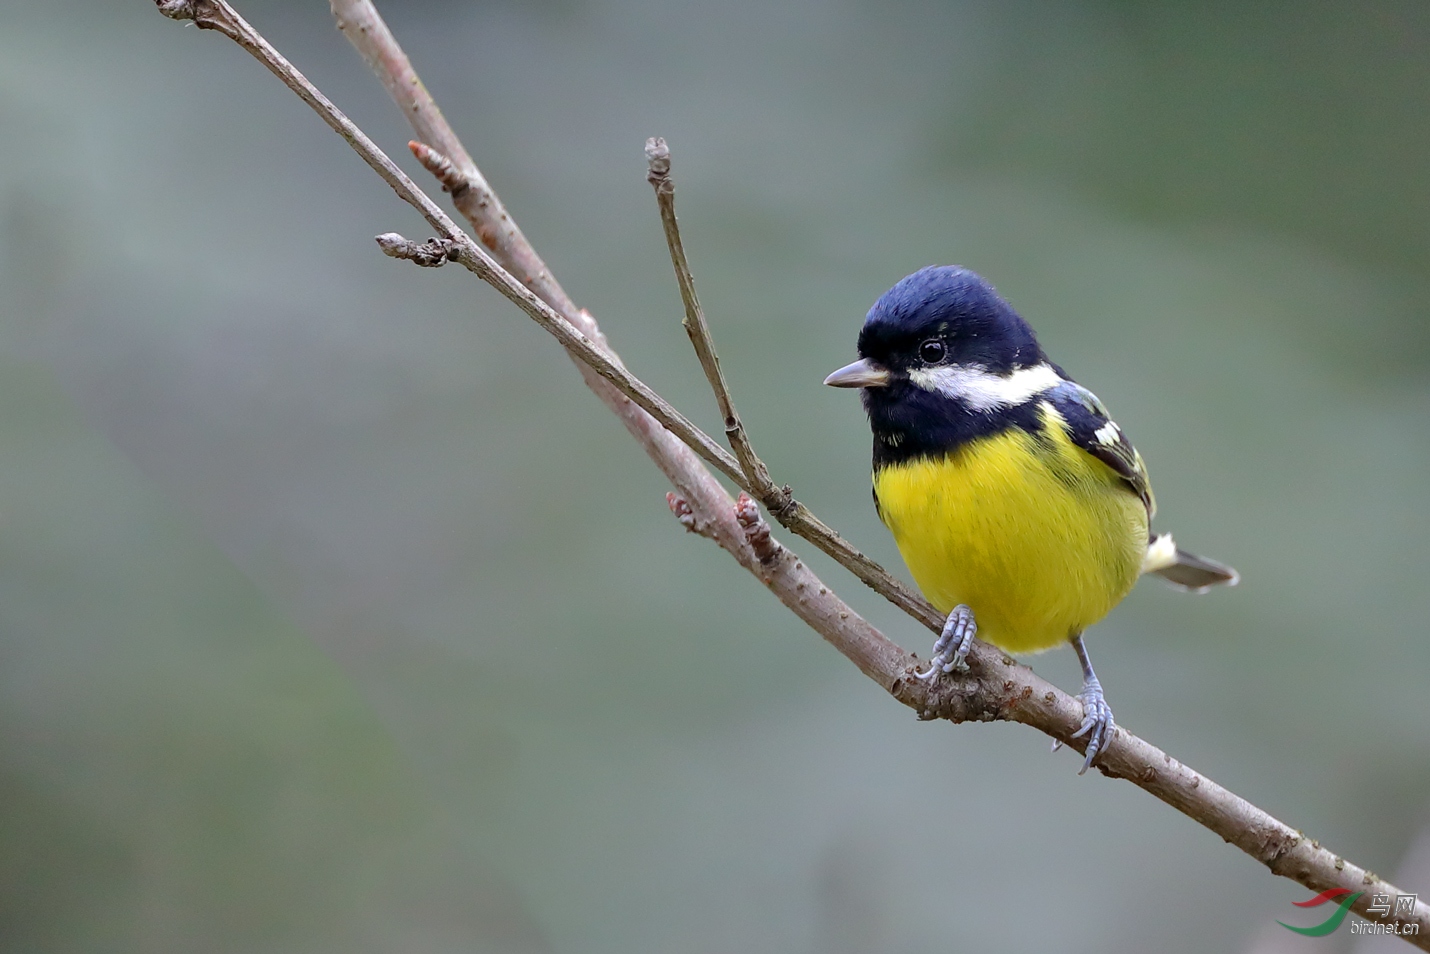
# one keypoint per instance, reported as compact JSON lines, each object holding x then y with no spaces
{"x":1020,"y":507}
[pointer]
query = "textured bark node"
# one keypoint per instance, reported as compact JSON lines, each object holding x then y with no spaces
{"x":428,"y":254}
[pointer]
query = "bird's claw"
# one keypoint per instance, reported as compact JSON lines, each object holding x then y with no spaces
{"x":950,"y":650}
{"x":1097,"y":723}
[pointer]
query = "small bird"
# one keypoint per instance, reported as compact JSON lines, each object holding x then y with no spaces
{"x":1020,"y":507}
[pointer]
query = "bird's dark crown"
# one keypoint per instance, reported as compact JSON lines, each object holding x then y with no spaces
{"x":975,"y":329}
{"x":955,"y":306}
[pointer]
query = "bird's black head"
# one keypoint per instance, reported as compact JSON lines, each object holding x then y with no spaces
{"x":943,"y":359}
{"x":945,"y":315}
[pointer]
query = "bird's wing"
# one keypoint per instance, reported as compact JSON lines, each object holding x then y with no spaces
{"x":1092,"y":429}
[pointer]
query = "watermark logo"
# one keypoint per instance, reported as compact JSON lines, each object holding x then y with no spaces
{"x":1337,"y":916}
{"x":1380,"y":904}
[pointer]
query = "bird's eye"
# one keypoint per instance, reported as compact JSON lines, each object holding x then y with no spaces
{"x":931,"y":351}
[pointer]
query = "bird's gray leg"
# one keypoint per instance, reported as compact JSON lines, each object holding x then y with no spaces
{"x":1097,"y":721}
{"x":953,"y":644}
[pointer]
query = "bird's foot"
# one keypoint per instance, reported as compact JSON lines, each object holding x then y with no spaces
{"x":950,"y":650}
{"x":1097,"y":723}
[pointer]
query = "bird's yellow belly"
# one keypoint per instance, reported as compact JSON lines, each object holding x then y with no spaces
{"x":1040,"y":539}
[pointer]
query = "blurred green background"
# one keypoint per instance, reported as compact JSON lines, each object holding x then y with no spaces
{"x":335,"y":615}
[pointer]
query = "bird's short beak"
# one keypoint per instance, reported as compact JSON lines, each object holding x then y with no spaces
{"x":861,"y":374}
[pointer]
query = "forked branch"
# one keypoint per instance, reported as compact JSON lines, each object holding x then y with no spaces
{"x":995,"y":688}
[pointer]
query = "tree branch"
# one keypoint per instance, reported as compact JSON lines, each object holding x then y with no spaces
{"x":450,"y":162}
{"x":366,"y":31}
{"x":994,"y":688}
{"x":657,"y":155}
{"x":778,"y":500}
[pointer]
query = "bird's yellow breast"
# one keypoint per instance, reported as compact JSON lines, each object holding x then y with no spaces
{"x":1038,"y":537}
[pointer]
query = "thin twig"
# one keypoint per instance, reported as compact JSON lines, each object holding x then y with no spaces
{"x":995,"y":688}
{"x":218,"y":15}
{"x":366,"y":31}
{"x":362,"y":25}
{"x":657,"y":155}
{"x":778,"y":500}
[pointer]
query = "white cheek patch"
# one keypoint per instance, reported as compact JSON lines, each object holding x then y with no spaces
{"x":981,"y":389}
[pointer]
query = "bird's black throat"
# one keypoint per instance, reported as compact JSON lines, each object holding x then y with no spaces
{"x":911,"y":423}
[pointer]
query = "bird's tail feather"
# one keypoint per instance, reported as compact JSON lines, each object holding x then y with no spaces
{"x":1184,"y":569}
